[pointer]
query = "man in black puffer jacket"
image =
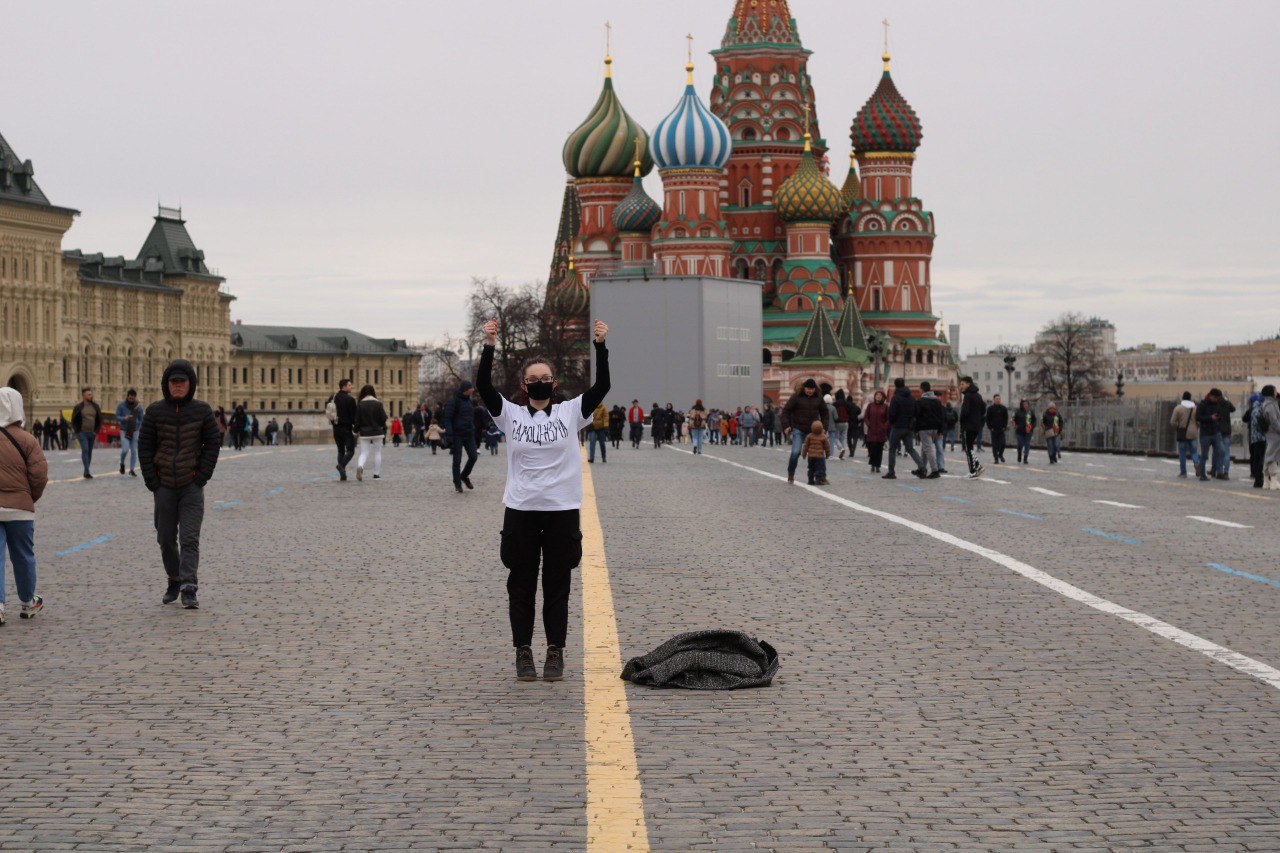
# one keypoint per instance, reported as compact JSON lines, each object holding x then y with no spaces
{"x":973,"y":416}
{"x":178,"y":450}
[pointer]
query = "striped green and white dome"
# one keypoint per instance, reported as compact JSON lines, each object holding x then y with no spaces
{"x":609,"y":141}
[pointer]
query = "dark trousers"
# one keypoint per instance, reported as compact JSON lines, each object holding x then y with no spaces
{"x":997,"y":445}
{"x":875,"y":453}
{"x":555,"y":540}
{"x":86,"y":448}
{"x":346,"y":441}
{"x":637,"y":434}
{"x":179,"y":514}
{"x":906,"y":439}
{"x":1257,"y":450}
{"x":817,"y":469}
{"x":457,"y":444}
{"x":970,"y":440}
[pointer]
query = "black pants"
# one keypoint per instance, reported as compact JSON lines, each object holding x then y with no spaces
{"x":997,"y":445}
{"x":875,"y":453}
{"x":637,"y":433}
{"x":1257,"y":451}
{"x":555,"y":540}
{"x":970,"y":439}
{"x":346,"y":441}
{"x":457,"y":444}
{"x":904,"y":438}
{"x":179,"y":514}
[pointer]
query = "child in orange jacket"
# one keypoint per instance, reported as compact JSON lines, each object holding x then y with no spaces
{"x":816,"y":448}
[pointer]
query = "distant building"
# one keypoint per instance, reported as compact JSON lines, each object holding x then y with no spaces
{"x":1254,"y":361}
{"x":988,"y":373}
{"x":1146,"y":362}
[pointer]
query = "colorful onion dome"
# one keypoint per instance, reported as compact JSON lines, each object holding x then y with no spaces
{"x":636,"y":212}
{"x":691,"y":137}
{"x":807,"y":196}
{"x":605,"y":145}
{"x":886,"y":122}
{"x":852,"y":189}
{"x":572,"y":297}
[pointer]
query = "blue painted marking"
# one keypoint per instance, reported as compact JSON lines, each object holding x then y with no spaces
{"x":228,"y":505}
{"x":1232,"y":571}
{"x":1022,"y":515}
{"x":1112,"y":536}
{"x":277,"y":490}
{"x":956,"y":500}
{"x":912,"y":488}
{"x":84,"y":545}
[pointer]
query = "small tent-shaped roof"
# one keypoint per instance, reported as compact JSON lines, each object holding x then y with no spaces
{"x":849,"y":331}
{"x":819,"y":339}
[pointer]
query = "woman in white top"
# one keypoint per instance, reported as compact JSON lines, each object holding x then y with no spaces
{"x":543,"y":496}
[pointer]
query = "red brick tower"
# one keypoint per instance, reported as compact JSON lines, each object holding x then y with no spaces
{"x":761,"y":89}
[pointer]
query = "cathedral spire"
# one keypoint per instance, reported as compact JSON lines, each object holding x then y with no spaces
{"x":757,"y":22}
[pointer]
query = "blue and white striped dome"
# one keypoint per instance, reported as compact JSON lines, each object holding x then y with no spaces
{"x":691,"y":137}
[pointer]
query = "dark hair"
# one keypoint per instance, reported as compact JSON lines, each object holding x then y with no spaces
{"x":86,"y":388}
{"x":530,"y":362}
{"x":343,"y":383}
{"x":899,"y":383}
{"x":1268,"y":390}
{"x":968,"y":379}
{"x":131,"y":392}
{"x":366,"y":391}
{"x":1026,"y":403}
{"x":926,"y":386}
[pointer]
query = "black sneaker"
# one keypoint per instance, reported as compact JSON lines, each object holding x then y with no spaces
{"x":170,"y":595}
{"x":87,"y":475}
{"x":189,"y":599}
{"x":525,"y":669}
{"x":553,"y":670}
{"x":342,"y":473}
{"x":121,"y":469}
{"x":466,"y":481}
{"x":890,"y":476}
{"x":920,"y":473}
{"x":458,"y":487}
{"x":935,"y":475}
{"x":133,"y":473}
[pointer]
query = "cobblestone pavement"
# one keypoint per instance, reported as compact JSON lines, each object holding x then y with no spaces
{"x":347,"y":683}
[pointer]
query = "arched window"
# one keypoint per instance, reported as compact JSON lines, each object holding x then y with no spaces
{"x":768,"y":356}
{"x":788,"y":354}
{"x":783,"y":134}
{"x":919,"y":356}
{"x":749,"y":133}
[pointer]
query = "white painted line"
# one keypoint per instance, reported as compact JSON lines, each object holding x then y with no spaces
{"x":1170,"y":461}
{"x":1050,"y":492}
{"x":1121,"y":505}
{"x":1264,"y":672}
{"x":992,"y":480}
{"x":1208,"y":520}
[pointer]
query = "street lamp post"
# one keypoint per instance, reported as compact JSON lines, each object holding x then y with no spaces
{"x":1010,"y":361}
{"x":1119,"y":387}
{"x":873,"y":345}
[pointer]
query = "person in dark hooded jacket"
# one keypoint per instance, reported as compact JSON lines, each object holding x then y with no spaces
{"x":973,"y":416}
{"x":459,"y":425}
{"x":178,"y":445}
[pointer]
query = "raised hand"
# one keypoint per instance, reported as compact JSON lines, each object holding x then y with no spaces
{"x":491,"y":332}
{"x":600,"y":331}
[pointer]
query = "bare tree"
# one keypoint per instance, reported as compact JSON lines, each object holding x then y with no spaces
{"x":517,"y":310}
{"x":1067,"y":361}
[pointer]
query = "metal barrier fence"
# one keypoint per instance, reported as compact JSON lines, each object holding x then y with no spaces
{"x":1138,"y":426}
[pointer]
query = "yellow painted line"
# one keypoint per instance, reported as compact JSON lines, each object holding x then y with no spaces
{"x":615,"y":808}
{"x":81,"y":479}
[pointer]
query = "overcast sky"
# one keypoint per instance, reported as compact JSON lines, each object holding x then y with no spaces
{"x":355,"y":164}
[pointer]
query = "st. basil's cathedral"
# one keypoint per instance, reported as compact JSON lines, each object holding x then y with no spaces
{"x":844,"y":272}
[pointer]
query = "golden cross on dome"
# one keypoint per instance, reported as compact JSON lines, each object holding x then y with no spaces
{"x":886,"y":34}
{"x":608,"y":38}
{"x":690,"y":38}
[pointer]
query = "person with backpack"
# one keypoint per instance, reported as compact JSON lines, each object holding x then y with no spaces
{"x":371,"y":424}
{"x":24,"y":473}
{"x":1187,"y":433}
{"x":1052,"y":423}
{"x":341,"y":412}
{"x":697,"y":425}
{"x":129,"y":418}
{"x":178,"y":447}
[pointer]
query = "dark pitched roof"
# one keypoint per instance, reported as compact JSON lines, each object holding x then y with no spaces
{"x":850,"y":331}
{"x":171,"y":244}
{"x":566,"y":233}
{"x":819,"y":340}
{"x":304,"y":339}
{"x":17,"y":179}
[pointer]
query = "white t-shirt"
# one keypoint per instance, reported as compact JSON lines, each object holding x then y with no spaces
{"x":544,"y":465}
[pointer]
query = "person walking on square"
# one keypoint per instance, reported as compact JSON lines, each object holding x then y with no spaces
{"x":287,"y":431}
{"x":47,"y":442}
{"x":239,"y":427}
{"x":221,"y":417}
{"x":816,"y":449}
{"x":433,"y":436}
{"x":657,"y":425}
{"x":543,"y":497}
{"x":1186,"y":433}
{"x":902,"y":416}
{"x":635,"y":420}
{"x":86,"y":420}
{"x":931,"y":419}
{"x":1257,"y":437}
{"x":1268,"y":420}
{"x":1052,"y":423}
{"x":748,"y":423}
{"x":697,"y":425}
{"x":840,"y":424}
{"x":178,"y":446}
{"x":997,"y":423}
{"x":341,"y":412}
{"x":617,"y":420}
{"x":129,"y":418}
{"x":460,"y":429}
{"x":855,"y":426}
{"x":598,"y":434}
{"x":1024,"y":426}
{"x":973,"y":411}
{"x":37,"y":430}
{"x":803,"y":408}
{"x":397,"y":431}
{"x":875,"y":422}
{"x":272,"y":430}
{"x":64,"y":433}
{"x":371,"y":424}
{"x":255,"y":433}
{"x":24,"y":473}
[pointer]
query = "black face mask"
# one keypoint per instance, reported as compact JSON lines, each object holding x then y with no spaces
{"x":540,"y":390}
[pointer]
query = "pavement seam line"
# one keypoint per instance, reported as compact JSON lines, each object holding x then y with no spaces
{"x":615,"y":808}
{"x":1264,"y":672}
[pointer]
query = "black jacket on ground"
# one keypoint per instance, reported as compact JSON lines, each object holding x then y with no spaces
{"x":930,"y":415}
{"x":706,"y":660}
{"x":997,"y":417}
{"x":179,"y":439}
{"x":902,"y":409}
{"x":973,"y":411}
{"x":371,"y":418}
{"x":347,"y":409}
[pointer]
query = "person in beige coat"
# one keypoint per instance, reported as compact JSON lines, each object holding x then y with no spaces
{"x":1186,"y":431}
{"x":23,"y":475}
